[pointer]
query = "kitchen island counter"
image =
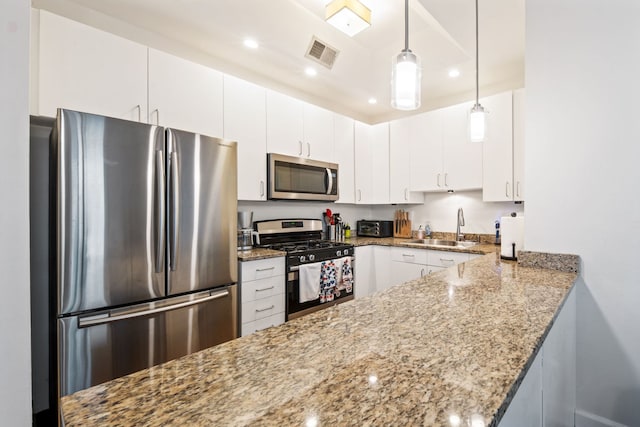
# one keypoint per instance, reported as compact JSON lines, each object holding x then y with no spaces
{"x":456,"y":342}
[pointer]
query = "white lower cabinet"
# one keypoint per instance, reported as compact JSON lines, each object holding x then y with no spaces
{"x":547,"y":395}
{"x":262,"y":290}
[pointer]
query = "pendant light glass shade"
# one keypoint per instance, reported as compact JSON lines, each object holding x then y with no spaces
{"x":477,"y":123}
{"x":406,"y":74}
{"x":477,"y":117}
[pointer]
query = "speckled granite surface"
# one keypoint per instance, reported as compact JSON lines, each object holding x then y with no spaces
{"x":562,"y":262}
{"x":455,"y":342}
{"x":481,"y":249}
{"x":259,"y":253}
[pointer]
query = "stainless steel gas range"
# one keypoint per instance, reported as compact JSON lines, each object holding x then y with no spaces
{"x":319,"y":273}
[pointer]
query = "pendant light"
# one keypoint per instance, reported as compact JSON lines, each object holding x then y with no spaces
{"x":477,"y":118}
{"x":406,"y":74}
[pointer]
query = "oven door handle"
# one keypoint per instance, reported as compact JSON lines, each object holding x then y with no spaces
{"x":297,"y":267}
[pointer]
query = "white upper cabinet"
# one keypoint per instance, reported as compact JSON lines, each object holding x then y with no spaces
{"x":344,"y":156}
{"x":372,"y":163}
{"x":426,"y":162}
{"x":284,"y":124}
{"x":85,"y":69}
{"x":462,"y":158}
{"x":184,"y":95}
{"x":318,"y":133}
{"x":400,"y":164}
{"x":296,"y":128}
{"x":442,"y":156}
{"x":518,"y":144}
{"x":498,"y":183}
{"x":245,"y":122}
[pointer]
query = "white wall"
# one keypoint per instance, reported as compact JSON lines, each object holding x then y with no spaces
{"x":15,"y":366}
{"x":440,"y":210}
{"x":583,"y":177}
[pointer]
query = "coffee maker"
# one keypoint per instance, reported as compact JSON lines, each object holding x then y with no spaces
{"x":245,"y":230}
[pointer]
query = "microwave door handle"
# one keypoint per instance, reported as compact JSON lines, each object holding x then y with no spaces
{"x":329,"y":181}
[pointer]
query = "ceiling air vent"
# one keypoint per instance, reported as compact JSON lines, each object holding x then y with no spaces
{"x":321,"y":52}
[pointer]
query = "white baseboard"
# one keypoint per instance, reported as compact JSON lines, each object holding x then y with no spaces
{"x":586,"y":419}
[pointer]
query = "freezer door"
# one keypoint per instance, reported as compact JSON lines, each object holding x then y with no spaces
{"x":105,"y":345}
{"x":201,"y":213}
{"x":110,"y":211}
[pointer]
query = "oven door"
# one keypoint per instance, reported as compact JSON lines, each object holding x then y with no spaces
{"x":296,"y":309}
{"x":302,"y":179}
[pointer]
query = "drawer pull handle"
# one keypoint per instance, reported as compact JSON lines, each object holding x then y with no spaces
{"x":446,"y":260}
{"x":265,"y":289}
{"x":265,"y":269}
{"x":265,"y":309}
{"x":409,"y":255}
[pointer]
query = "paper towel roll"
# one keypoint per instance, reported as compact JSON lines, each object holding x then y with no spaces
{"x":512,"y":229}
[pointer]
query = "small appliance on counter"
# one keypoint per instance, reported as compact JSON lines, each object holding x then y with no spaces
{"x":512,"y":238}
{"x":245,"y":230}
{"x":374,"y":228}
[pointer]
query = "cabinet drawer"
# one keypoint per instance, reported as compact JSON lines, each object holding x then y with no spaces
{"x":413,"y":256}
{"x":258,"y":325}
{"x":262,"y":288}
{"x":261,"y":308}
{"x":446,"y":259}
{"x":261,"y":269}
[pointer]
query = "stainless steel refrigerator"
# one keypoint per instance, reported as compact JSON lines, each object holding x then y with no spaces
{"x":145,"y":244}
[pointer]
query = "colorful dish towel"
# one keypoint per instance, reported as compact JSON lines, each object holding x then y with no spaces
{"x":346,"y":279}
{"x":328,"y":280}
{"x":309,"y":279}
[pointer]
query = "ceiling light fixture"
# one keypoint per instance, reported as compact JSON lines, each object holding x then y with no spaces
{"x":250,"y":43}
{"x":311,"y":72}
{"x":373,"y":101}
{"x":477,"y":118}
{"x":454,"y":72}
{"x":406,"y":74}
{"x":349,"y":16}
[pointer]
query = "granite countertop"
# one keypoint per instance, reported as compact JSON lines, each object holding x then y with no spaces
{"x":456,"y":342}
{"x":259,"y":253}
{"x":483,"y":248}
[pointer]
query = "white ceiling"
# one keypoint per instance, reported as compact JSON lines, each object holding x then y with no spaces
{"x":441,"y":33}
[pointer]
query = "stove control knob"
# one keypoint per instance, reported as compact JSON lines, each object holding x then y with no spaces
{"x":346,"y":252}
{"x":312,"y":257}
{"x":302,"y":258}
{"x":338,"y":253}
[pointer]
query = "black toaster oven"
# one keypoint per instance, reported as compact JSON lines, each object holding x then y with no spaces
{"x":374,"y":228}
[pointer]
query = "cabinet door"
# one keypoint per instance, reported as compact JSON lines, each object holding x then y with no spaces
{"x":85,"y":69}
{"x":425,"y":136}
{"x":380,"y":163}
{"x":363,"y":162}
{"x":284,"y":125}
{"x":498,"y":149}
{"x":344,"y":156}
{"x":364,"y":279}
{"x":518,"y":144}
{"x":462,"y":158}
{"x":400,"y":164}
{"x":318,"y":133}
{"x":184,"y":95}
{"x":402,"y":272}
{"x":382,"y":267}
{"x":245,"y":121}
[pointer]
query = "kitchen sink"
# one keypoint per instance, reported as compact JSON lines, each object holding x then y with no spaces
{"x":441,"y":242}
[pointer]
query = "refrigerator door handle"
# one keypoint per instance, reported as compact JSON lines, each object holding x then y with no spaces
{"x":102,"y":318}
{"x":159,"y":213}
{"x":175,"y":197}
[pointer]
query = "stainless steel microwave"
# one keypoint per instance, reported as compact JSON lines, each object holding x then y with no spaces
{"x":299,"y":178}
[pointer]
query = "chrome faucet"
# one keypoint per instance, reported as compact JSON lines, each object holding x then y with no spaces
{"x":459,"y":235}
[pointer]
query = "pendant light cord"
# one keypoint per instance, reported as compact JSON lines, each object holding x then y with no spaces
{"x":406,"y":24}
{"x":477,"y":80}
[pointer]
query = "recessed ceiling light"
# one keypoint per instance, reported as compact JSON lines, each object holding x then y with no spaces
{"x":454,"y":72}
{"x":251,"y":43}
{"x":373,"y":101}
{"x":311,"y":72}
